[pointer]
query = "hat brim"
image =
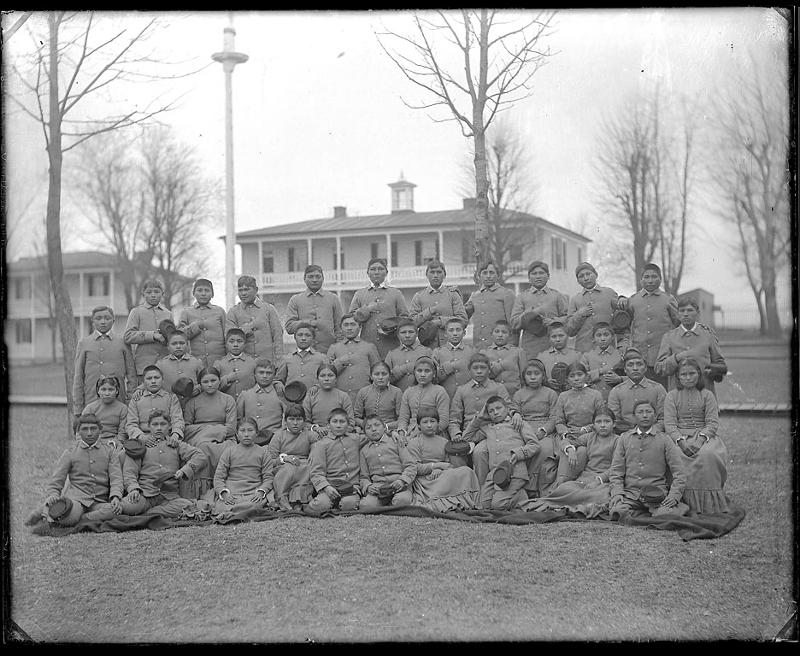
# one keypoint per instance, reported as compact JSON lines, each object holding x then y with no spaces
{"x":456,"y":448}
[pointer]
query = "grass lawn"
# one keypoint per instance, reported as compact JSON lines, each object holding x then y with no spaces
{"x":406,"y":579}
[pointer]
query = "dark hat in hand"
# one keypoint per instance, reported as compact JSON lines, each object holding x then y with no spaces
{"x":59,"y":509}
{"x":163,"y":477}
{"x":559,"y":374}
{"x":263,"y":436}
{"x":651,"y":495}
{"x":717,"y":371}
{"x":345,"y":489}
{"x":533,"y":322}
{"x":183,"y":387}
{"x":620,"y":321}
{"x":455,"y":448}
{"x":295,"y":391}
{"x":134,"y":448}
{"x":501,"y":476}
{"x":166,"y":327}
{"x":388,"y":325}
{"x":427,"y":333}
{"x":386,"y":491}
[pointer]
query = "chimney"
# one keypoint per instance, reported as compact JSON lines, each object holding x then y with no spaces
{"x":469,"y":203}
{"x":339,"y":211}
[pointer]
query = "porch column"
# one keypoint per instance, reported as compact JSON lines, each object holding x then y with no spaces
{"x":441,"y":247}
{"x":338,"y":260}
{"x":389,"y":250}
{"x":260,"y":267}
{"x":80,"y":305}
{"x":309,"y":251}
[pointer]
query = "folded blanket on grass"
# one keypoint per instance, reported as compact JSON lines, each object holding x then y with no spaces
{"x":688,"y":528}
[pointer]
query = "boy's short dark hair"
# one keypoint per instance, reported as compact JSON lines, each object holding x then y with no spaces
{"x":246,"y":281}
{"x":502,"y":322}
{"x":650,"y":266}
{"x":378,"y":260}
{"x":247,"y":420}
{"x":264,"y":363}
{"x":311,"y":268}
{"x":452,"y":320}
{"x":427,"y":411}
{"x":158,"y":413}
{"x":487,"y":264}
{"x":538,"y":264}
{"x":554,"y":325}
{"x":235,"y":331}
{"x":604,"y":411}
{"x":371,"y":416}
{"x":643,"y":402}
{"x":305,"y":324}
{"x":152,"y":282}
{"x":88,"y":418}
{"x":496,"y":399}
{"x":479,"y":357}
{"x":202,"y":281}
{"x":180,"y":333}
{"x":435,"y":264}
{"x":349,"y":315}
{"x":102,"y":308}
{"x":406,"y":321}
{"x":601,"y":324}
{"x":688,"y":300}
{"x":152,"y":367}
{"x":294,"y":410}
{"x":337,"y":411}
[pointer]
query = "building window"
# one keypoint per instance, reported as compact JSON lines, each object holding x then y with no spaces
{"x":23,"y":331}
{"x":267,"y":260}
{"x":22,"y":288}
{"x":373,"y":250}
{"x":580,"y":255}
{"x":515,"y":252}
{"x":558,"y":254}
{"x":467,"y":250}
{"x":97,"y":284}
{"x":564,"y":253}
{"x":394,"y":254}
{"x":417,"y":253}
{"x":290,"y":257}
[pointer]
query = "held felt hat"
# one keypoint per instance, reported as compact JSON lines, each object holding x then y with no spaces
{"x":263,"y":436}
{"x":427,"y":333}
{"x":295,"y":392}
{"x":60,"y":508}
{"x":134,"y":448}
{"x":166,"y":327}
{"x":501,"y":476}
{"x":459,"y":448}
{"x":386,"y":491}
{"x":183,"y":387}
{"x":345,"y":489}
{"x":532,"y":322}
{"x":559,"y":374}
{"x":620,"y":321}
{"x":651,"y":495}
{"x":388,"y":325}
{"x":717,"y":372}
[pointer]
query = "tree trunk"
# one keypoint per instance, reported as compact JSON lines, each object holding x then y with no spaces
{"x":481,"y":168}
{"x":63,"y":304}
{"x":772,"y":322}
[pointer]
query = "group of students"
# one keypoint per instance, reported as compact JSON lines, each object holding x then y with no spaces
{"x":209,"y":412}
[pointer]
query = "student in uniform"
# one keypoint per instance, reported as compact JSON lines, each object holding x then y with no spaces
{"x":301,"y":364}
{"x":93,"y":476}
{"x":635,"y":387}
{"x":204,"y":324}
{"x":353,"y":358}
{"x":401,"y":360}
{"x":110,"y":412}
{"x":550,"y":303}
{"x":558,"y":352}
{"x":258,"y":320}
{"x":653,"y":313}
{"x":237,"y":368}
{"x":263,"y":402}
{"x":99,"y":355}
{"x":243,"y":477}
{"x":141,"y":331}
{"x":437,"y":303}
{"x":151,"y":397}
{"x":317,"y":307}
{"x":335,"y":467}
{"x":178,"y":363}
{"x":378,"y":301}
{"x":507,"y":362}
{"x":318,"y":405}
{"x":290,"y":448}
{"x":452,"y":359}
{"x":152,"y":481}
{"x":604,"y":362}
{"x":379,"y":398}
{"x":384,"y":464}
{"x":691,"y":339}
{"x":589,"y":307}
{"x":643,"y":457}
{"x":487,"y":305}
{"x":426,"y":393}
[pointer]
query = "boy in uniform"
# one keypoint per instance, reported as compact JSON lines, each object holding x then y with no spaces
{"x":263,"y":402}
{"x":301,"y":364}
{"x":141,"y":331}
{"x":558,"y":352}
{"x":386,"y":469}
{"x":258,"y":320}
{"x":589,"y":307}
{"x":507,"y":362}
{"x":204,"y":324}
{"x":604,"y":361}
{"x":178,"y":363}
{"x":401,"y":360}
{"x":437,"y":303}
{"x":353,"y":358}
{"x":635,"y":387}
{"x":237,"y":367}
{"x":452,"y":359}
{"x":317,"y":307}
{"x":147,"y":399}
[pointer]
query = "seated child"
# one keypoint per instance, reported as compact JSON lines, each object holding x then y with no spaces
{"x":243,"y":477}
{"x":110,"y":412}
{"x":94,"y":479}
{"x":290,"y":448}
{"x":604,"y":362}
{"x":178,"y":363}
{"x":508,"y":362}
{"x":644,"y":457}
{"x":380,"y":398}
{"x":439,"y":484}
{"x":263,"y":401}
{"x":236,"y":368}
{"x":452,"y":359}
{"x":148,"y":398}
{"x":353,"y":357}
{"x":558,"y":352}
{"x":301,"y":364}
{"x":335,"y":467}
{"x":401,"y":360}
{"x":508,"y":447}
{"x":384,"y":462}
{"x":152,"y":481}
{"x":589,"y":493}
{"x":318,"y":405}
{"x":634,"y":388}
{"x":426,"y":393}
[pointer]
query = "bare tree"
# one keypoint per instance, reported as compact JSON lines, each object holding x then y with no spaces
{"x":752,"y":176}
{"x":473,"y":64}
{"x":84,"y":62}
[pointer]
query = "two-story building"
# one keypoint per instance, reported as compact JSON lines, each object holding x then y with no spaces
{"x":91,"y":278}
{"x":277,"y":255}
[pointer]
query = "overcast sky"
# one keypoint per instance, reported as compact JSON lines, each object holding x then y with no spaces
{"x":319,"y":121}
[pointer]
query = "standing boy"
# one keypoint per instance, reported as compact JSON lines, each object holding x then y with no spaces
{"x":262,"y":401}
{"x":401,"y":360}
{"x":353,"y":358}
{"x":204,"y":324}
{"x":487,"y":305}
{"x":258,"y":320}
{"x":301,"y":364}
{"x":236,"y":367}
{"x":507,"y":362}
{"x":589,"y":307}
{"x":437,"y":303}
{"x":452,"y":359}
{"x":317,"y":307}
{"x":141,"y":331}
